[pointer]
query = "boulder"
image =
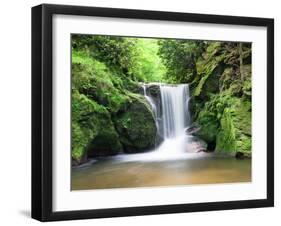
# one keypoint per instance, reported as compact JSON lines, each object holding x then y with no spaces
{"x":93,"y":133}
{"x":106,"y":143}
{"x":235,"y":132}
{"x":209,"y":126}
{"x":192,"y":130}
{"x":136,"y":127}
{"x":196,"y":144}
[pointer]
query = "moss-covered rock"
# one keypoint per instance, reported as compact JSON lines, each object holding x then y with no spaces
{"x":225,"y":123}
{"x":209,"y":126}
{"x":235,"y":130}
{"x":93,"y":79}
{"x":209,"y":69}
{"x":106,"y":142}
{"x":226,"y":139}
{"x":93,"y":133}
{"x":136,"y":127}
{"x":221,"y":97}
{"x":84,"y":127}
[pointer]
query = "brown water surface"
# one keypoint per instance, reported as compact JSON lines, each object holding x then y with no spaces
{"x":117,"y":173}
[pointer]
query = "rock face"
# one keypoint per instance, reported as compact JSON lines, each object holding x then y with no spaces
{"x":154,"y":91}
{"x":106,"y":142}
{"x":93,"y":133}
{"x":235,"y":132}
{"x":192,"y":130}
{"x":225,"y":124}
{"x":221,"y":102}
{"x":136,"y":126}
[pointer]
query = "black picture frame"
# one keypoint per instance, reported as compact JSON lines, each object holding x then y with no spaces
{"x":42,"y":106}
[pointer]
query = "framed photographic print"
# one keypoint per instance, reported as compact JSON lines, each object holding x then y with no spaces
{"x":145,"y":112}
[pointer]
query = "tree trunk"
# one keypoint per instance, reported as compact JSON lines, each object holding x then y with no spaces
{"x":241,"y":61}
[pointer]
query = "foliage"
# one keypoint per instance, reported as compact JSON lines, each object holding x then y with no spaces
{"x":148,"y":66}
{"x":114,"y":51}
{"x":92,"y":78}
{"x":179,"y":57}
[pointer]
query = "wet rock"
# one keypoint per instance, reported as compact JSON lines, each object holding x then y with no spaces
{"x":136,"y":127}
{"x":154,"y":90}
{"x":195,"y":145}
{"x":192,"y":130}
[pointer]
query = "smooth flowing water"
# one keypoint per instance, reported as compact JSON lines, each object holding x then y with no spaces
{"x":171,"y":118}
{"x":172,"y":162}
{"x":174,"y":101}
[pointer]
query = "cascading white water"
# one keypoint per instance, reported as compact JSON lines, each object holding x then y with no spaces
{"x":154,"y":110}
{"x":151,"y":102}
{"x":171,"y":114}
{"x":171,"y":117}
{"x":175,"y":118}
{"x":174,"y":101}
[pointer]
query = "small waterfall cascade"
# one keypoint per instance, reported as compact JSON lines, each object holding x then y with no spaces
{"x":171,"y":114}
{"x":151,"y":102}
{"x":170,"y":107}
{"x":175,"y":113}
{"x":154,"y":109}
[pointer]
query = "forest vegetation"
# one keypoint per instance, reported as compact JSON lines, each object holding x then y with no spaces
{"x":110,"y":114}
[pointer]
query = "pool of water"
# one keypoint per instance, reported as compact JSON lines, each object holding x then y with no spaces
{"x":125,"y":171}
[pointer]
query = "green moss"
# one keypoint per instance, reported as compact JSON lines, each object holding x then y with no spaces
{"x":225,"y":120}
{"x":80,"y":140}
{"x":84,"y":123}
{"x":91,"y":128}
{"x":96,"y":81}
{"x":107,"y":140}
{"x":212,"y":49}
{"x":209,"y":69}
{"x":235,"y":128}
{"x":136,"y":126}
{"x":226,"y":140}
{"x":242,"y":121}
{"x":208,"y":126}
{"x":199,"y":87}
{"x":244,"y":144}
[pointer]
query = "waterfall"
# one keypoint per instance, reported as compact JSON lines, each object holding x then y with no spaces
{"x":154,"y":109}
{"x":175,"y":116}
{"x":170,"y":111}
{"x":151,"y":102}
{"x":171,"y":115}
{"x":170,"y":107}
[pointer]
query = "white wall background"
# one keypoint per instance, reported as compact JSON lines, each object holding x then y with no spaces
{"x":15,"y":119}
